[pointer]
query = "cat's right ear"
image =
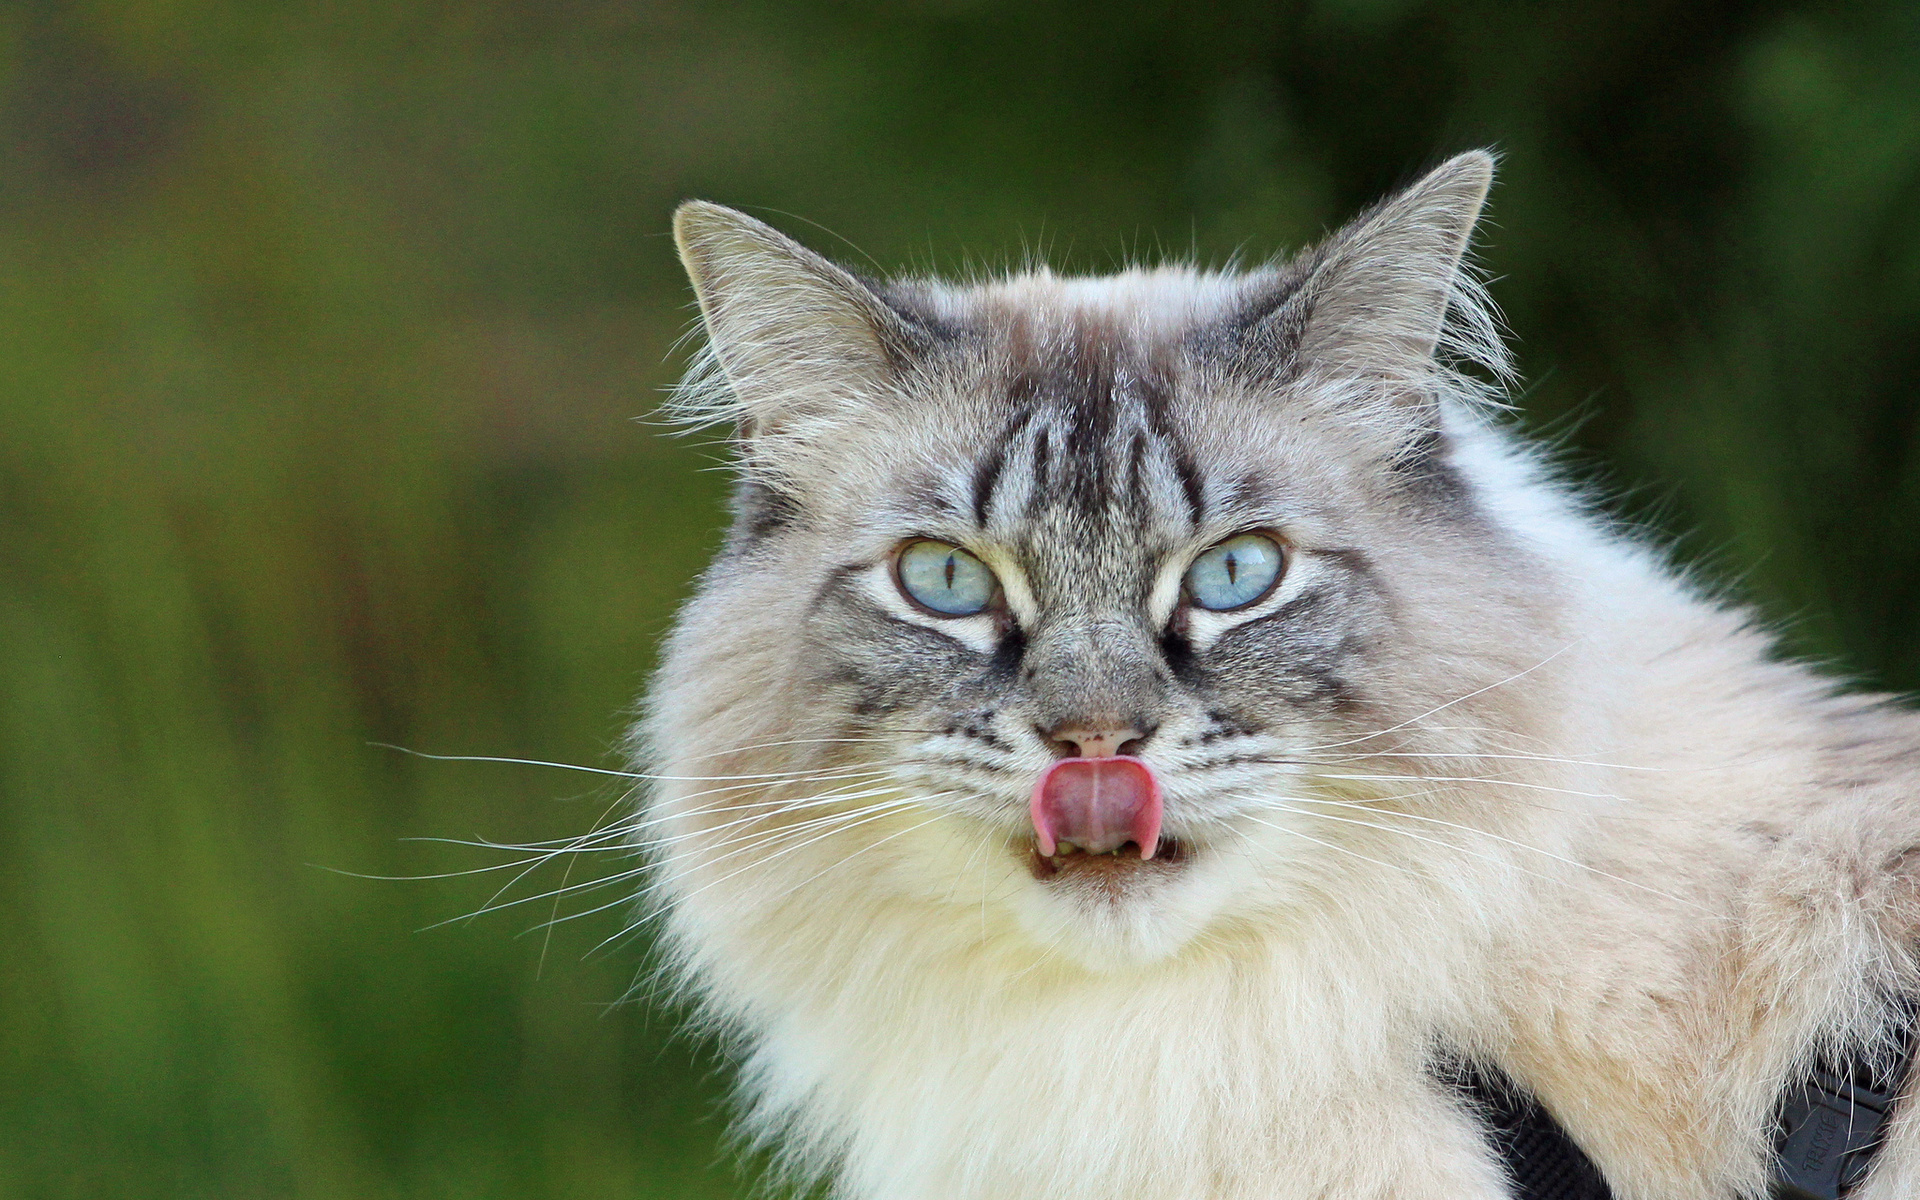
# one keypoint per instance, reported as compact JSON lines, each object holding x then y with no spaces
{"x":801,"y":344}
{"x":1385,"y":311}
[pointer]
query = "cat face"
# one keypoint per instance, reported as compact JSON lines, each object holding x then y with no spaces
{"x":1097,"y":573}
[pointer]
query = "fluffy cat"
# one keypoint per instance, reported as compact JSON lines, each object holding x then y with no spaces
{"x":1140,"y":730}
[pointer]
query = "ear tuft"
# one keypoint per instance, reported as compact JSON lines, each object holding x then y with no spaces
{"x":793,"y":341}
{"x":1390,"y":308}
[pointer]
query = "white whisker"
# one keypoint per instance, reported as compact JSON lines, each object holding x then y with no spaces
{"x":1333,"y":846}
{"x":1411,"y":721}
{"x":494,"y":904}
{"x":1538,"y":787}
{"x":566,"y":766}
{"x":1489,"y":857}
{"x":780,"y":854}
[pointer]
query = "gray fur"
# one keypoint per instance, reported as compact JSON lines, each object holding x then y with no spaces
{"x":1480,"y":777}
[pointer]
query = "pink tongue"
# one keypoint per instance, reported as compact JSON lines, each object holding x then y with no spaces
{"x":1098,"y":804}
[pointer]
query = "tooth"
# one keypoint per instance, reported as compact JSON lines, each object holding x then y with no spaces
{"x":1065,"y":847}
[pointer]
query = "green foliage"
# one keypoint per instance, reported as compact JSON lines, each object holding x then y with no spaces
{"x":323,"y":324}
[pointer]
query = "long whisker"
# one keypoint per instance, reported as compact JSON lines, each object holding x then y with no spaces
{"x":432,"y":875}
{"x":1394,"y":812}
{"x":747,"y":840}
{"x":1538,"y":787}
{"x":860,"y":741}
{"x":1503,"y":861}
{"x":758,"y":818}
{"x":829,"y":822}
{"x":1449,"y":704}
{"x":495,"y":904}
{"x":1403,"y":868}
{"x":584,"y":886}
{"x":634,"y":928}
{"x":779,"y":854}
{"x":594,"y":843}
{"x":496,"y":758}
{"x":1540,"y":758}
{"x":585,"y":843}
{"x":838,"y":863}
{"x":566,"y":766}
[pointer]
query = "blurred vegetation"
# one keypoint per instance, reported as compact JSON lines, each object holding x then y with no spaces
{"x":321,"y":329}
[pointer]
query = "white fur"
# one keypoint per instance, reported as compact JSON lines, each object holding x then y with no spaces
{"x":1618,"y":849}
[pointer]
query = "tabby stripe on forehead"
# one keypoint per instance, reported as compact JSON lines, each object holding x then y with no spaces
{"x":1153,"y":400}
{"x":986,"y":475}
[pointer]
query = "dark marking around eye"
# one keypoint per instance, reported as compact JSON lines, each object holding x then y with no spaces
{"x":1353,"y":560}
{"x":1296,"y":609}
{"x":839,"y":587}
{"x":1008,"y":654}
{"x":1178,"y":654}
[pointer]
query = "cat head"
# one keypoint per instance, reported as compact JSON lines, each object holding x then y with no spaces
{"x":1067,"y":583}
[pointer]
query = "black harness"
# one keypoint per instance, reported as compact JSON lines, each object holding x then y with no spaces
{"x":1830,"y":1126}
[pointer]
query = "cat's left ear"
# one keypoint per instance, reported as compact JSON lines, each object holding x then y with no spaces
{"x":1376,"y":302}
{"x":801,"y":344}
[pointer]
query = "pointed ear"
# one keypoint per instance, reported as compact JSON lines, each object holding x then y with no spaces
{"x":1381,"y":296}
{"x":797,"y":340}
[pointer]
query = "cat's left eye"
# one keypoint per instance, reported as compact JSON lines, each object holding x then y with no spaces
{"x":1235,"y":573}
{"x":944,"y":579}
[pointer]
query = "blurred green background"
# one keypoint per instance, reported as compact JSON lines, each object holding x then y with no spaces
{"x":322,"y":329}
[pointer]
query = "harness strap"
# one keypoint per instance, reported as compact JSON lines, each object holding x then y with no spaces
{"x":1830,"y":1127}
{"x":1833,"y":1124}
{"x":1544,"y":1162}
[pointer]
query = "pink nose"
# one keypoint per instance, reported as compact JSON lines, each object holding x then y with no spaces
{"x":1094,"y":743}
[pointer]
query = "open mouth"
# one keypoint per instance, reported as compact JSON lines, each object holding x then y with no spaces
{"x":1114,"y":866}
{"x":1099,"y":818}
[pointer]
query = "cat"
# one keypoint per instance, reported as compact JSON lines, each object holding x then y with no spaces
{"x":1140,"y":730}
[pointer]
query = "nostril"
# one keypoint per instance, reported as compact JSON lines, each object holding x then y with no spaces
{"x":1092,"y":741}
{"x":1063,"y":746}
{"x":1141,"y":731}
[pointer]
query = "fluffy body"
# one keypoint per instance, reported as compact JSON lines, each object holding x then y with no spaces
{"x":1484,"y":779}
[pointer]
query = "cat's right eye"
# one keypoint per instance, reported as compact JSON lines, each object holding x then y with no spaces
{"x":944,"y":579}
{"x":1235,"y":573}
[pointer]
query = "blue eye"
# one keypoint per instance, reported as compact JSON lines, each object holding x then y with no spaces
{"x":944,"y":579}
{"x":1235,"y":573}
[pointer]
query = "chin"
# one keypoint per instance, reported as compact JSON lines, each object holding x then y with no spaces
{"x":1115,"y":912}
